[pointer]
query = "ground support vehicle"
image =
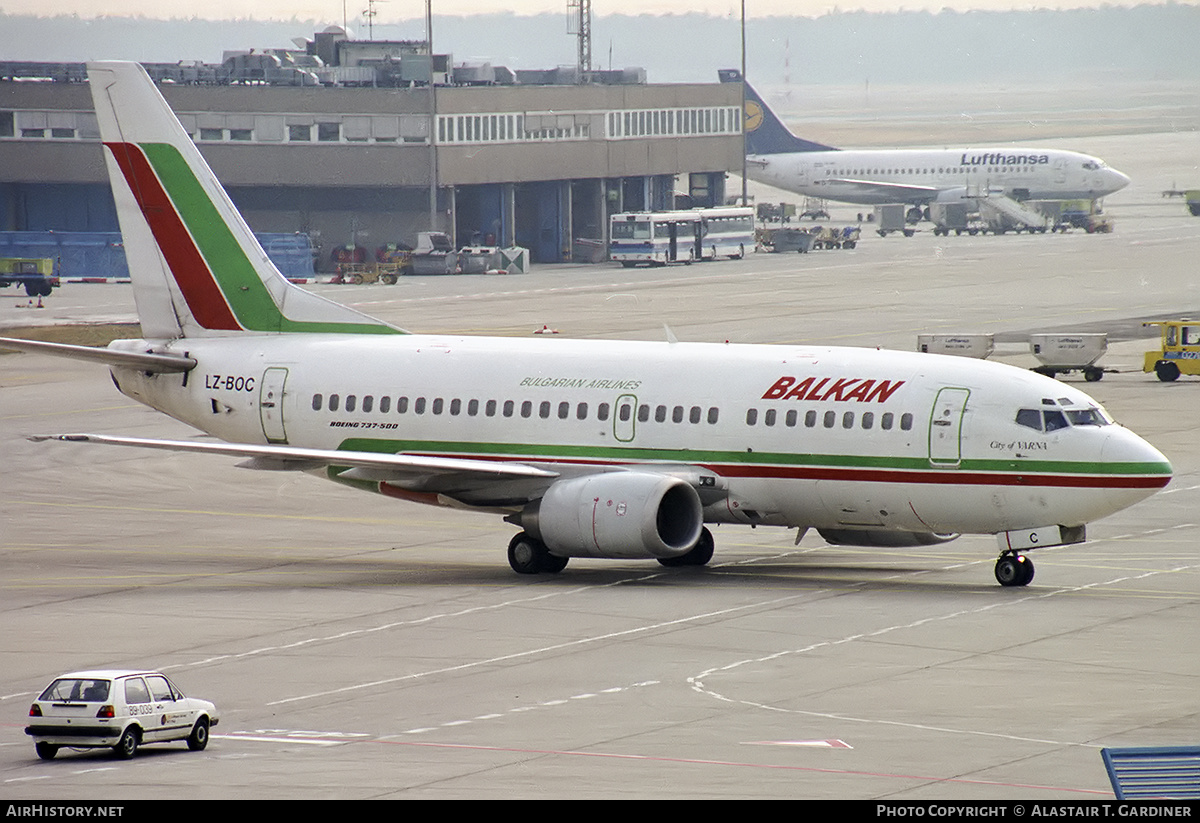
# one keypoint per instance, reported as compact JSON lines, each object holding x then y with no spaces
{"x":892,"y":218}
{"x":654,"y":238}
{"x":659,"y":238}
{"x":831,"y":237}
{"x":386,"y":273}
{"x":117,"y":709}
{"x":814,"y":209}
{"x":959,"y":218}
{"x":726,"y":232}
{"x":1065,"y":353}
{"x":781,"y":240}
{"x":1079,"y":214}
{"x":979,"y":346}
{"x":775,"y":212}
{"x":1193,"y":201}
{"x":1179,"y":351}
{"x":434,"y":254}
{"x":38,"y":275}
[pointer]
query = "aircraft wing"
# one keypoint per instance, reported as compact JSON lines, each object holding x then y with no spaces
{"x":902,"y":193}
{"x":445,"y":474}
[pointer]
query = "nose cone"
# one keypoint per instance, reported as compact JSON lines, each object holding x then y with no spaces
{"x":1137,"y":469}
{"x":1114,"y":180}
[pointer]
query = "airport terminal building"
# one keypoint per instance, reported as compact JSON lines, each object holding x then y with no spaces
{"x":358,"y":153}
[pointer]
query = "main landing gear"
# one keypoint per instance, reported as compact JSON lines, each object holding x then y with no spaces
{"x":1013,"y":569}
{"x":699,"y":555}
{"x":528,"y":555}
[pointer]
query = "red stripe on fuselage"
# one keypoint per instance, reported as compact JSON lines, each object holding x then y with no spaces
{"x":952,"y":477}
{"x":204,"y":297}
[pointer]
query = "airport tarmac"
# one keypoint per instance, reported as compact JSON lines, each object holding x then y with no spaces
{"x":359,"y":647}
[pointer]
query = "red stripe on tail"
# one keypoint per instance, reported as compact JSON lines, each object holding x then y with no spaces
{"x":200,"y":290}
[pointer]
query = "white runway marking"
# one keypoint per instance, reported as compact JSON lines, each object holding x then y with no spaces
{"x":546,"y":704}
{"x":698,"y":681}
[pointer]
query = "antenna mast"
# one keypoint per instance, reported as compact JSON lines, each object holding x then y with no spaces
{"x":580,"y":16}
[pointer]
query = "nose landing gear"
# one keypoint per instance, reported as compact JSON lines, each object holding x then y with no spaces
{"x":1013,"y":569}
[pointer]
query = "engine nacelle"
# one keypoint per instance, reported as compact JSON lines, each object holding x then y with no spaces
{"x":617,"y":514}
{"x":883,"y":538}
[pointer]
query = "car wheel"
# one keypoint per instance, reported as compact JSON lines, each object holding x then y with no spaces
{"x":198,"y":739}
{"x":46,"y":751}
{"x":128,"y":744}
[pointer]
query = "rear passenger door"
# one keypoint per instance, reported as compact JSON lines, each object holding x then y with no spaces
{"x":141,"y":708}
{"x":175,"y":717}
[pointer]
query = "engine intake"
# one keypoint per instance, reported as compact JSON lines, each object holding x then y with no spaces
{"x":627,"y":514}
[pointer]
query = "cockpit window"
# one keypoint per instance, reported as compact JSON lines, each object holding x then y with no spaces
{"x":1030,"y":418}
{"x":1049,"y":420}
{"x":1087,"y":417}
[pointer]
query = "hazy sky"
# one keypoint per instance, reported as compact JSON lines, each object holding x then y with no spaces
{"x":331,"y":10}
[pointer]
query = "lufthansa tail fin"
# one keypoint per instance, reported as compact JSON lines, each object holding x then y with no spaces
{"x":197,"y":269}
{"x":765,"y":133}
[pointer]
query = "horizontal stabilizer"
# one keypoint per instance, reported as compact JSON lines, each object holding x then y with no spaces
{"x":145,"y":361}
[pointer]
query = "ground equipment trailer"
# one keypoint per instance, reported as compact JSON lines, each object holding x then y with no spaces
{"x":1065,"y":353}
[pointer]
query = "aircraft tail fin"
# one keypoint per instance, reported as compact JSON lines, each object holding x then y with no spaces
{"x":765,"y":132}
{"x":197,"y":269}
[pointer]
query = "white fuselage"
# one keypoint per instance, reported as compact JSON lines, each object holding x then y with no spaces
{"x":875,"y":176}
{"x":787,"y":435}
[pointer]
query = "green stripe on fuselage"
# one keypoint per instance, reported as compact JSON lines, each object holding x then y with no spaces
{"x":536,"y":452}
{"x":245,"y":292}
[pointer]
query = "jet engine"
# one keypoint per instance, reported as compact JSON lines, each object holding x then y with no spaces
{"x":883,"y":538}
{"x":623,"y":515}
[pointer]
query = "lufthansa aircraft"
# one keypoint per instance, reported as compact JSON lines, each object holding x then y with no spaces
{"x":590,"y":448}
{"x":778,"y":158}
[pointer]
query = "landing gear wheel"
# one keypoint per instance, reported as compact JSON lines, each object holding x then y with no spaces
{"x":553,"y":564}
{"x":198,"y":739}
{"x":698,"y":555}
{"x":527,"y":555}
{"x":1167,"y":371}
{"x":128,"y":744}
{"x":1014,"y":569}
{"x":46,"y":751}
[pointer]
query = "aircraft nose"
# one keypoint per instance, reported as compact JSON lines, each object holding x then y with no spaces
{"x":1115,"y":180}
{"x":1137,"y":468}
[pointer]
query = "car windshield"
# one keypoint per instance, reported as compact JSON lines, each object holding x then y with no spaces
{"x":78,"y":690}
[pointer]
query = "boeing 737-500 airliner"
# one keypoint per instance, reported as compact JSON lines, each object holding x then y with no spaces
{"x":605,"y":449}
{"x":777,"y":157}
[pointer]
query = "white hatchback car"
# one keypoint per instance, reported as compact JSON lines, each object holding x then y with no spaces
{"x":116,"y":709}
